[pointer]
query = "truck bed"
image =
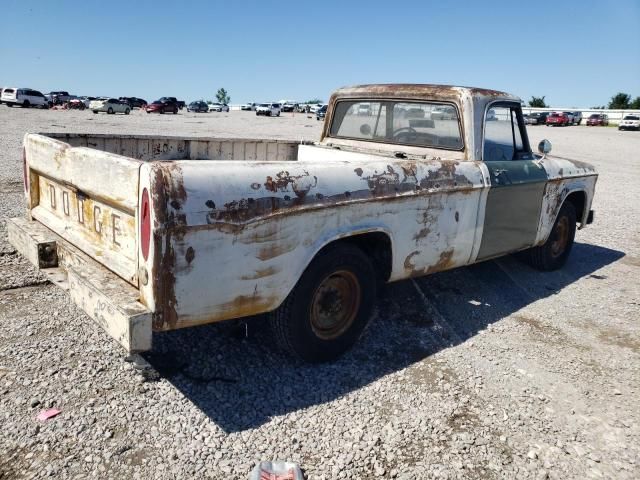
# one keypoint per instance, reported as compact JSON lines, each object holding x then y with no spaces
{"x":151,"y":148}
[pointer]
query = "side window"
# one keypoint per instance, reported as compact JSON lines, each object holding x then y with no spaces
{"x":502,"y":135}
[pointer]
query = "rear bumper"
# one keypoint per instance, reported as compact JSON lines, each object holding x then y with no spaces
{"x":105,"y":297}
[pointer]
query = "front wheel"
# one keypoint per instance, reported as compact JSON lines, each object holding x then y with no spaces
{"x":127,"y":111}
{"x":553,"y":254}
{"x":110,"y":111}
{"x":326,"y":312}
{"x":26,"y":104}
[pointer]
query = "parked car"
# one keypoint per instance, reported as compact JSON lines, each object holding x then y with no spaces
{"x":630,"y":122}
{"x":598,"y":119}
{"x":198,"y":106}
{"x":24,"y":97}
{"x":218,"y":107}
{"x":305,"y":233}
{"x":313,"y":108}
{"x":558,"y":119}
{"x":322,"y":112}
{"x":289,"y":107}
{"x":577,"y":118}
{"x":268,"y":109}
{"x":75,"y":103}
{"x":446,"y":112}
{"x":540,"y":117}
{"x":180,"y":103}
{"x":87,"y":100}
{"x":1,"y":90}
{"x":249,"y":106}
{"x":163,"y":105}
{"x":364,"y":109}
{"x":134,"y":102}
{"x":58,"y":97}
{"x":110,"y":105}
{"x":529,"y":119}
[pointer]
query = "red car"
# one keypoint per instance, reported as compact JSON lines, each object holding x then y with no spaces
{"x":162,"y":106}
{"x":597,"y":119}
{"x":558,"y":119}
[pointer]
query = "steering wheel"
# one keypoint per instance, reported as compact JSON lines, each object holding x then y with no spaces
{"x":408,"y":132}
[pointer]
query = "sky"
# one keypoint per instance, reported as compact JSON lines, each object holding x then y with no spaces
{"x":575,"y":53}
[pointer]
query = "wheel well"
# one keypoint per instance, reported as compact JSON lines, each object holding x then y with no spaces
{"x":377,"y":245}
{"x":578,"y":199}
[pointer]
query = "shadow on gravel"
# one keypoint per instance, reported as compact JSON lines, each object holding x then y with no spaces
{"x":241,"y":382}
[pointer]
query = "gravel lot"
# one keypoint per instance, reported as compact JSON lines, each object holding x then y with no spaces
{"x":492,"y":371}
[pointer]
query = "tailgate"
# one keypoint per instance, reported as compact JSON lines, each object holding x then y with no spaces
{"x":88,"y":197}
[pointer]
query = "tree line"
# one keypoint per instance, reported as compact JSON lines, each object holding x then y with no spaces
{"x":620,"y":101}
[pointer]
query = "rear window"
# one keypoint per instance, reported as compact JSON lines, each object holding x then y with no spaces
{"x":8,"y":90}
{"x":632,"y":117}
{"x":420,"y":124}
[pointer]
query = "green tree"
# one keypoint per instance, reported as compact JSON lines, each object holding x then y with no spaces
{"x":314,"y":100}
{"x":635,"y":104}
{"x":620,"y":101}
{"x":222,"y":96}
{"x":538,"y":102}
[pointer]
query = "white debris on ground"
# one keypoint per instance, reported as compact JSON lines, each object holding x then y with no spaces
{"x":524,"y":374}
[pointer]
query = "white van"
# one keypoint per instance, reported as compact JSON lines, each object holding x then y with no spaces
{"x":24,"y":97}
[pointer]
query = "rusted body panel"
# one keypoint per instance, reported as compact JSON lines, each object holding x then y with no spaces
{"x":235,"y":222}
{"x":235,"y":243}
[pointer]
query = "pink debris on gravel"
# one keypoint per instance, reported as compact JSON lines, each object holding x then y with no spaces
{"x":45,"y":415}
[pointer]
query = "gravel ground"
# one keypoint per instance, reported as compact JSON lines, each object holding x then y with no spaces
{"x":492,"y":371}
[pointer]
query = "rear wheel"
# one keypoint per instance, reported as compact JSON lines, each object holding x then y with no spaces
{"x":554,"y":253}
{"x":162,"y":110}
{"x":127,"y":111}
{"x":329,"y":307}
{"x":175,"y":111}
{"x":110,"y":111}
{"x":26,"y":104}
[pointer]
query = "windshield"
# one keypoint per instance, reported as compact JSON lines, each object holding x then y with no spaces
{"x":632,"y":117}
{"x":265,"y":105}
{"x":595,"y":115}
{"x":419,"y":124}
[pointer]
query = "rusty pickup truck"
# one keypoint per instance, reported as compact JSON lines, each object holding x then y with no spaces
{"x":150,"y":234}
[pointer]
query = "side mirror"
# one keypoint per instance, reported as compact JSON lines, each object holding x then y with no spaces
{"x":544,"y":146}
{"x":365,"y":129}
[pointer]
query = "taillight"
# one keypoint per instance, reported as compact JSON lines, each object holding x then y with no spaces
{"x":145,"y":224}
{"x":25,"y":170}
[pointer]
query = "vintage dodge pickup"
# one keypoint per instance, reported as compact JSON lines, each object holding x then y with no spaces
{"x":158,"y":233}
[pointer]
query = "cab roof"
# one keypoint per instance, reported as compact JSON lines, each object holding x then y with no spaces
{"x":419,"y":91}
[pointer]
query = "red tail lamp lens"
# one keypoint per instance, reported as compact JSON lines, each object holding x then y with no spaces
{"x":25,"y":170}
{"x":145,"y":224}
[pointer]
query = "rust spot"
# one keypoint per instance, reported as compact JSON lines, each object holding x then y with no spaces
{"x":444,"y":262}
{"x":260,"y":273}
{"x":190,"y":255}
{"x":274,"y":250}
{"x":300,"y":184}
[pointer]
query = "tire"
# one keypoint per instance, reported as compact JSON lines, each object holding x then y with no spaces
{"x":175,"y":111}
{"x":278,"y":114}
{"x":553,"y":254}
{"x":127,"y":111}
{"x":26,"y":104}
{"x":110,"y":111}
{"x":340,"y":272}
{"x":162,"y":111}
{"x":95,"y":111}
{"x":9,"y":105}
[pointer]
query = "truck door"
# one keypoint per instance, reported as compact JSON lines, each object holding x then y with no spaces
{"x":517,"y":180}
